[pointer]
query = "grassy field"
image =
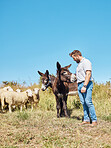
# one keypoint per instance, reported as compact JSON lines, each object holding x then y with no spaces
{"x":42,"y":129}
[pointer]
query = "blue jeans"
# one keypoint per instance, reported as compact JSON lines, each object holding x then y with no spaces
{"x":86,"y":101}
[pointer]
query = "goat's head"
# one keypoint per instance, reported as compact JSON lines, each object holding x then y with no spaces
{"x":63,"y":72}
{"x":18,"y":90}
{"x":36,"y":90}
{"x":8,"y":88}
{"x":45,"y":80}
{"x":29,"y":92}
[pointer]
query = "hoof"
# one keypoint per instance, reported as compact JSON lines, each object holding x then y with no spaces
{"x":66,"y":116}
{"x":58,"y":116}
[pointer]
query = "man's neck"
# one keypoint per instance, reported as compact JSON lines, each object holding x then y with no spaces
{"x":81,"y":58}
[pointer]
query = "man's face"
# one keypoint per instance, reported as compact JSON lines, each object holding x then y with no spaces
{"x":76,"y":58}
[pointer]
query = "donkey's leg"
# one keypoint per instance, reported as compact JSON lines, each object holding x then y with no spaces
{"x":61,"y":107}
{"x":57,"y":106}
{"x":64,"y":100}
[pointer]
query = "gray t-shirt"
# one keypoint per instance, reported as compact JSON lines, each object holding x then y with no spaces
{"x":82,"y":67}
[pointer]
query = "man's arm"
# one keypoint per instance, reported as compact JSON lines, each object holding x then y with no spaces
{"x":87,"y":79}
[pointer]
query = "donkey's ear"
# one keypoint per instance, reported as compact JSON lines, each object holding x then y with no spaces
{"x":40,"y":73}
{"x":58,"y":66}
{"x":47,"y":73}
{"x":66,"y":67}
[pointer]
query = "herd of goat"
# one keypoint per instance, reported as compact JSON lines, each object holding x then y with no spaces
{"x":18,"y":98}
{"x":62,"y":85}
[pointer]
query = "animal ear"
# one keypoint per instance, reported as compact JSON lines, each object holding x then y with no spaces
{"x":66,"y":67}
{"x":47,"y":73}
{"x":58,"y":66}
{"x":40,"y":73}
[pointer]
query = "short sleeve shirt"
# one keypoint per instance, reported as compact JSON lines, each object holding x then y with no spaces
{"x":82,"y":67}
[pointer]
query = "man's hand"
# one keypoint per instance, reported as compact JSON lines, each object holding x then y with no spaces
{"x":87,"y":79}
{"x":83,"y":89}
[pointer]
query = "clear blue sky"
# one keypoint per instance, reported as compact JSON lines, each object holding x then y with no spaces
{"x":35,"y":34}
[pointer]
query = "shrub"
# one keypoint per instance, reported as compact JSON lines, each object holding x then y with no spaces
{"x":107,"y":118}
{"x":76,"y":104}
{"x":23,"y":115}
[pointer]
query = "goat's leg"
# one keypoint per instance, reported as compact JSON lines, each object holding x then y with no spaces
{"x":24,"y":106}
{"x":21,"y":108}
{"x":10,"y":110}
{"x":32,"y":106}
{"x":2,"y":103}
{"x":36,"y":104}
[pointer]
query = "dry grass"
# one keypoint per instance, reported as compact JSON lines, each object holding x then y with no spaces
{"x":42,"y":129}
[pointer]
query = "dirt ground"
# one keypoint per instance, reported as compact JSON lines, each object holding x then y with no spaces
{"x":42,"y":129}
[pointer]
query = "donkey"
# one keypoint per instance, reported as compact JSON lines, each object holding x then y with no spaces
{"x":67,"y":76}
{"x":47,"y":80}
{"x":60,"y":86}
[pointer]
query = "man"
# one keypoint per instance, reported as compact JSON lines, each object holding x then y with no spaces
{"x":85,"y":86}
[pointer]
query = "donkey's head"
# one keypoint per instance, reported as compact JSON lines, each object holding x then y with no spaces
{"x":45,"y":80}
{"x":63,"y":73}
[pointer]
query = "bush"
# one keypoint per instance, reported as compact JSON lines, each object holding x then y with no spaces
{"x":50,"y":105}
{"x":76,"y":104}
{"x":107,"y":118}
{"x":23,"y":115}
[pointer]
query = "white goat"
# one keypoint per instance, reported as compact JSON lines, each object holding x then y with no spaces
{"x":18,"y":90}
{"x":8,"y":88}
{"x":15,"y":98}
{"x":35,"y":98}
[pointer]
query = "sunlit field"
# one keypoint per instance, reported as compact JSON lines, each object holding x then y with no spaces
{"x":42,"y":129}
